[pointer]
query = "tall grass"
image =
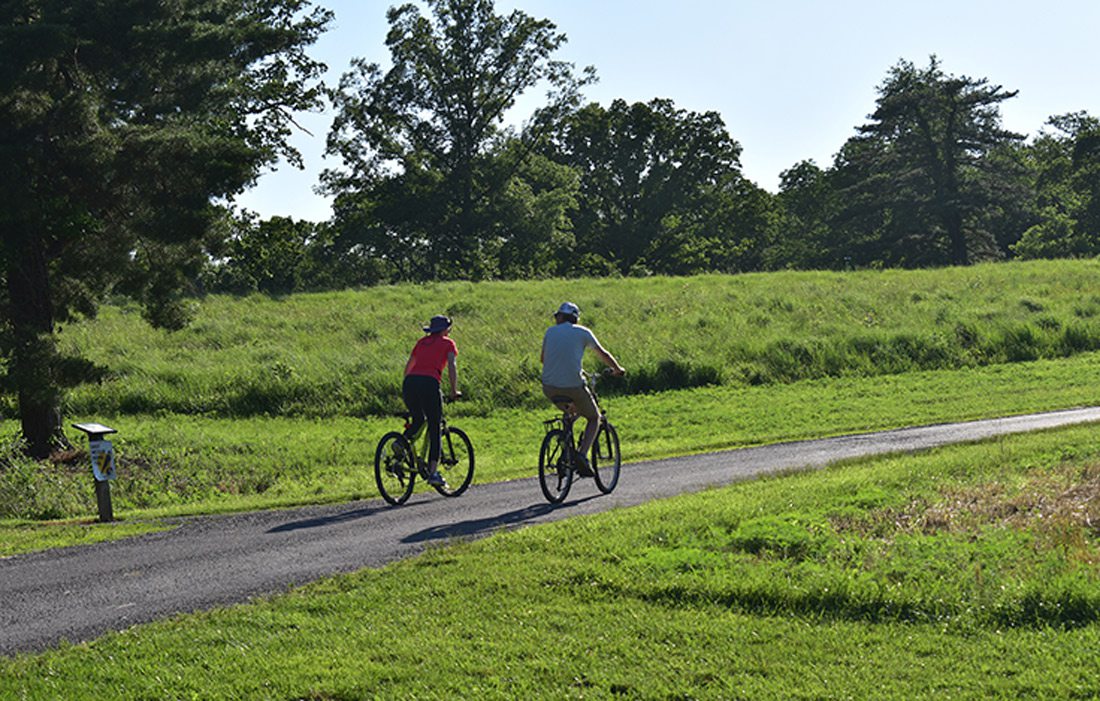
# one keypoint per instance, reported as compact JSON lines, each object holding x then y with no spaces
{"x":342,"y":353}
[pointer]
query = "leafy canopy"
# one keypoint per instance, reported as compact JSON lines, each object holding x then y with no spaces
{"x":127,"y":122}
{"x":420,"y":143}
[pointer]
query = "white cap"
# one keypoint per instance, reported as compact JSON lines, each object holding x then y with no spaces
{"x":569,"y":309}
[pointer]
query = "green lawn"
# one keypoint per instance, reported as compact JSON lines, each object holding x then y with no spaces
{"x":963,"y":572}
{"x":176,"y":465}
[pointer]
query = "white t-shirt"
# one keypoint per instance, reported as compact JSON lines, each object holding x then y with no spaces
{"x":562,"y":349}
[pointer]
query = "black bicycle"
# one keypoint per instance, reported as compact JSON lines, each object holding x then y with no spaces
{"x":558,"y":465}
{"x":397,"y":464}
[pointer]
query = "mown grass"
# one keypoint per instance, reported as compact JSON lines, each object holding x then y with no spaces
{"x":341,"y":354}
{"x":963,"y":572}
{"x":175,"y":465}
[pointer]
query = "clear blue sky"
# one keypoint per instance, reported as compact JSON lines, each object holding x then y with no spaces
{"x":792,"y":79}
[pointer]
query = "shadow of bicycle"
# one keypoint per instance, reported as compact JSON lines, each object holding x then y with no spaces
{"x":480,"y":526}
{"x":329,"y":520}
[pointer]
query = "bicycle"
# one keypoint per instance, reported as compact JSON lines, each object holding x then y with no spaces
{"x":397,"y":464}
{"x":557,"y":455}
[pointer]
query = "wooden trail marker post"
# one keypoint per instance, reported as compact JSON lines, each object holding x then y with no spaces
{"x":103,"y":466}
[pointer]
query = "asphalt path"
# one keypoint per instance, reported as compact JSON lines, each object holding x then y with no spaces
{"x":80,"y":593}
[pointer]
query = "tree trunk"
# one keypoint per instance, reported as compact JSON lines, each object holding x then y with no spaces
{"x":959,"y":250}
{"x":34,"y":352}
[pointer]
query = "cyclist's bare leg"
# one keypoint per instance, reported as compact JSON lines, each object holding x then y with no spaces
{"x":589,"y":436}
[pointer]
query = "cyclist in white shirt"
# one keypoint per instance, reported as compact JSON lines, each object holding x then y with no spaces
{"x":563,"y":348}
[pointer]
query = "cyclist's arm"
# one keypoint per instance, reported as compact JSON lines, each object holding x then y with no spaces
{"x":608,"y":359}
{"x":409,"y":364}
{"x":452,"y":374}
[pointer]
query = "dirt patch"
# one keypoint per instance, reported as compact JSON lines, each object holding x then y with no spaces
{"x":1061,"y":505}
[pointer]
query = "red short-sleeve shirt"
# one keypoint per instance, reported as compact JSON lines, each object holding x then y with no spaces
{"x":429,"y":356}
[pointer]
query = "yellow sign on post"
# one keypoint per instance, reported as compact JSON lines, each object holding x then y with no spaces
{"x":103,"y":459}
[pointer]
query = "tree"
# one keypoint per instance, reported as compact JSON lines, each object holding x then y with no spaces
{"x":923,"y":167}
{"x":270,"y":256}
{"x":126,"y":121}
{"x":282,"y":255}
{"x":418,"y":141}
{"x":1066,"y":164}
{"x":653,"y":178}
{"x":532,"y":230}
{"x":805,"y":202}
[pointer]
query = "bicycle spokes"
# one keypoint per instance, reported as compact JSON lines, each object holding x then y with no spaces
{"x":456,"y":462}
{"x":394,"y":472}
{"x":555,"y":473}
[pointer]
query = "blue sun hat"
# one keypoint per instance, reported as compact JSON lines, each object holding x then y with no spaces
{"x":437,"y":324}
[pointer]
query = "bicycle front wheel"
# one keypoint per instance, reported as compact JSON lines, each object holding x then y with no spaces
{"x":456,"y":462}
{"x":606,"y":458}
{"x":394,"y":469}
{"x":555,"y":475}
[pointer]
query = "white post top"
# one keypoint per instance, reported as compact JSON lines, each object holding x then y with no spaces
{"x":94,"y":429}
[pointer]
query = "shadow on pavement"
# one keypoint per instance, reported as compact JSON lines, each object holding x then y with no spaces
{"x":489,"y":523}
{"x":319,"y":521}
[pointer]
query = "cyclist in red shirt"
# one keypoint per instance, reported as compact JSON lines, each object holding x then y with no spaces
{"x":421,"y":388}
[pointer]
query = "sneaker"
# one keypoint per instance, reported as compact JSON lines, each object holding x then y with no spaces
{"x":436,"y":480}
{"x":583,"y":468}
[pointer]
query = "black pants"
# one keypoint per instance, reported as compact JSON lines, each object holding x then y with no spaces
{"x":425,"y":403}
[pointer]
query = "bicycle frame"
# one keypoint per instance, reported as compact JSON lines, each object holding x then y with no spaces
{"x":566,"y":421}
{"x":569,"y":417}
{"x":419,"y":442}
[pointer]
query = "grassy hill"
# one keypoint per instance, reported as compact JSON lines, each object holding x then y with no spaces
{"x":274,"y":401}
{"x":342,"y":354}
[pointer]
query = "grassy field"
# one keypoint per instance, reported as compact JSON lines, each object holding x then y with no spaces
{"x":177,"y":465}
{"x":964,"y":572}
{"x":967,"y":572}
{"x":272,"y":402}
{"x":342,"y":354}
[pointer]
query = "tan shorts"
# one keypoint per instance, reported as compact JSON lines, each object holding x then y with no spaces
{"x":582,"y":399}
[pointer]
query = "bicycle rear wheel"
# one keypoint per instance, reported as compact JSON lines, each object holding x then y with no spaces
{"x":555,"y":475}
{"x":394,"y":469}
{"x":456,"y":462}
{"x":606,"y":458}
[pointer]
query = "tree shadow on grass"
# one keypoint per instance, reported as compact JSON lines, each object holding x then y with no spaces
{"x":480,"y":526}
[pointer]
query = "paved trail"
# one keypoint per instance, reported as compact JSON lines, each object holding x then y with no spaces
{"x":80,"y":593}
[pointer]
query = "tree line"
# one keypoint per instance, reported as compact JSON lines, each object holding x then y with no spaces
{"x":130,"y":126}
{"x":434,"y":186}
